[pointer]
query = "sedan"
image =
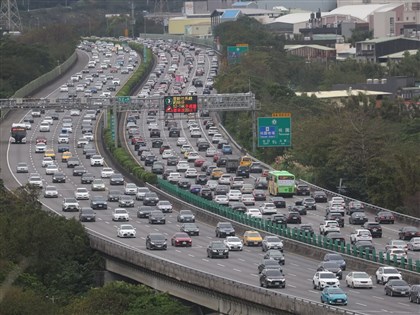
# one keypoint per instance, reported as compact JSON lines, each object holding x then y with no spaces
{"x":253,"y":213}
{"x":221,"y":199}
{"x":276,"y":255}
{"x":408,"y":232}
{"x":51,"y":192}
{"x":125,"y":201}
{"x":334,"y":295}
{"x":81,"y":193}
{"x":181,"y":239}
{"x":164,"y":206}
{"x":190,"y":228}
{"x":22,"y":167}
{"x":359,"y":279}
{"x":233,"y":243}
{"x":185,"y":216}
{"x":98,"y":184}
{"x":414,"y":244}
{"x":397,"y":287}
{"x":51,"y":169}
{"x":126,"y":230}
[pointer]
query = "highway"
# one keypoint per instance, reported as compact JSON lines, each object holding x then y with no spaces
{"x":241,"y":266}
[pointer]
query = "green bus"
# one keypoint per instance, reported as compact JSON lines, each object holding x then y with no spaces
{"x":281,"y":183}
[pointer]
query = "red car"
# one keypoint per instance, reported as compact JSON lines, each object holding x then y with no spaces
{"x":199,"y":162}
{"x":181,"y":239}
{"x":134,"y":140}
{"x":163,"y":148}
{"x":384,"y":217}
{"x":408,"y":232}
{"x":217,"y":156}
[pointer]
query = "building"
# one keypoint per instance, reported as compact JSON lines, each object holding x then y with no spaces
{"x":311,"y":52}
{"x":224,"y":15}
{"x":178,"y":25}
{"x":373,"y":49}
{"x":303,"y":5}
{"x":290,"y":23}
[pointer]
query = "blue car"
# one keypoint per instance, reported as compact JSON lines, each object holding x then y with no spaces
{"x":195,"y":188}
{"x":333,"y":295}
{"x":226,"y":149}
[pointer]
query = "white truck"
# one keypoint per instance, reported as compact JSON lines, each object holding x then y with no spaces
{"x":329,"y":226}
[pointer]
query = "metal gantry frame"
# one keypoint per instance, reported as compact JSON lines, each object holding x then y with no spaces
{"x":9,"y":16}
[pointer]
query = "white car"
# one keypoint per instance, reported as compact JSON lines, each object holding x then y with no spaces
{"x":35,"y":180}
{"x":40,"y":148}
{"x":268,"y":208}
{"x":414,"y":244}
{"x":82,"y":142}
{"x":216,"y":138}
{"x":185,"y":148}
{"x":80,"y":88}
{"x":47,"y":161}
{"x":182,"y":166}
{"x":196,"y":133}
{"x":88,"y":136}
{"x":164,"y":206}
{"x":74,"y":112}
{"x":107,"y":172}
{"x":167,"y":153}
{"x":254,"y":213}
{"x":398,"y":253}
{"x":49,"y":120}
{"x":63,"y":138}
{"x":233,"y":243}
{"x":68,"y":127}
{"x":81,"y":194}
{"x":44,"y":127}
{"x":51,"y":169}
{"x":130,"y":189}
{"x":120,"y":214}
{"x":360,"y":235}
{"x":224,"y":179}
{"x":174,"y":177}
{"x":192,"y":156}
{"x":210,"y":152}
{"x":359,"y":279}
{"x":181,"y":141}
{"x":126,"y":230}
{"x":64,"y":88}
{"x":323,"y":279}
{"x":234,"y":195}
{"x":141,"y":191}
{"x":383,"y":274}
{"x":221,"y":199}
{"x":248,"y":200}
{"x":51,"y":192}
{"x":96,"y":160}
{"x":191,"y":173}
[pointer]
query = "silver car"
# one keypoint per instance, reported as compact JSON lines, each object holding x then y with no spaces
{"x":22,"y":167}
{"x":50,"y":192}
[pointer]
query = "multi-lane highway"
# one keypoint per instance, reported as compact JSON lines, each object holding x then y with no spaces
{"x":241,"y":266}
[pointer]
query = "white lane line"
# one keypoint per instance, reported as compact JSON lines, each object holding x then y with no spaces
{"x":106,"y":222}
{"x":209,"y":237}
{"x":353,"y":291}
{"x":378,"y":297}
{"x":191,"y":255}
{"x":403,"y":304}
{"x":292,"y":286}
{"x":220,"y":265}
{"x":313,"y":291}
{"x":293,"y":264}
{"x":361,"y":304}
{"x":237,"y":270}
{"x":291,"y":274}
{"x":204,"y":259}
{"x":177,"y":250}
{"x":253,"y":274}
{"x":241,"y":259}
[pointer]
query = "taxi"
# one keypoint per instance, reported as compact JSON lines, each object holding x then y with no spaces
{"x":65,"y":156}
{"x":245,"y":161}
{"x":216,"y":173}
{"x":252,"y":238}
{"x":49,"y":153}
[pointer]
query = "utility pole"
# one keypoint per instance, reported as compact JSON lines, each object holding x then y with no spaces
{"x":133,"y":21}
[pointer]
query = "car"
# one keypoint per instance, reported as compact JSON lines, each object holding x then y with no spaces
{"x":65,"y":156}
{"x":73,"y":162}
{"x":259,"y":195}
{"x":221,"y":199}
{"x":130,"y":189}
{"x":224,"y":229}
{"x":374,"y":228}
{"x":278,"y":202}
{"x":181,"y":239}
{"x":40,"y":148}
{"x":333,"y":295}
{"x":70,"y":204}
{"x":323,"y":279}
{"x":234,"y":195}
{"x":414,"y":294}
{"x":293,"y":217}
{"x":305,"y":229}
{"x":114,"y":195}
{"x":276,"y":255}
{"x":50,"y":153}
{"x":248,"y":200}
{"x":98,"y":184}
{"x":87,"y":214}
{"x":364,"y":246}
{"x":331,"y":266}
{"x":165,"y":206}
{"x":190,"y":228}
{"x":384,"y":217}
{"x":414,"y":244}
{"x":87,"y":178}
{"x":233,"y":243}
{"x":185,"y":216}
{"x":359,"y":279}
{"x":243,"y":171}
{"x":81,"y":193}
{"x":98,"y":202}
{"x":252,"y":238}
{"x":337,"y":258}
{"x":126,"y":231}
{"x":298,"y":208}
{"x":184,"y":183}
{"x":320,"y":196}
{"x":47,"y":161}
{"x":106,"y":172}
{"x":50,"y":192}
{"x":268,"y":264}
{"x":397,"y":287}
{"x":272,"y":278}
{"x":174,"y":177}
{"x":396,"y":244}
{"x":302,"y":190}
{"x":22,"y":167}
{"x":144,"y":211}
{"x":256,"y":167}
{"x":336,"y":238}
{"x":253,"y":213}
{"x":261,"y":183}
{"x":120,"y":214}
{"x":125,"y":201}
{"x":216,"y":173}
{"x":190,"y":173}
{"x":360,"y":235}
{"x":268,"y":208}
{"x":358,"y":218}
{"x":141,"y":192}
{"x":335,"y":216}
{"x":157,"y":217}
{"x":384,"y":274}
{"x":272,"y":242}
{"x":309,"y":203}
{"x":156,"y":241}
{"x":354,"y":206}
{"x":397,"y":254}
{"x":96,"y":160}
{"x":408,"y":232}
{"x":217,"y":249}
{"x":150,"y":199}
{"x":59,"y":177}
{"x":182,"y":166}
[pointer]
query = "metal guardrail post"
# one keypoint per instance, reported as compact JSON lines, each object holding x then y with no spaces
{"x":417,"y":265}
{"x":381,"y":257}
{"x":403,"y":263}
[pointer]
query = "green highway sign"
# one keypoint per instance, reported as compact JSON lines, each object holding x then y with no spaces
{"x":274,"y":131}
{"x":124,"y":99}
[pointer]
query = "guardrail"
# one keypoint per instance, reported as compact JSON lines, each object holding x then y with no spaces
{"x":403,"y":218}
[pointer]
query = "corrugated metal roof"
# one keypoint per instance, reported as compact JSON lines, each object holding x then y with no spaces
{"x":342,"y":93}
{"x":361,"y":11}
{"x":320,"y":47}
{"x":386,"y":39}
{"x":293,"y":18}
{"x":230,"y":14}
{"x":400,"y":54}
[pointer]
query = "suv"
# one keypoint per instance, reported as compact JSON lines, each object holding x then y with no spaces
{"x":272,"y":242}
{"x":98,"y":202}
{"x":323,"y":279}
{"x":414,"y":294}
{"x":217,"y":249}
{"x":302,"y":190}
{"x":70,"y":204}
{"x":384,"y":274}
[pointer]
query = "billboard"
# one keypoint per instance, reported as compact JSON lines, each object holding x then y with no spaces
{"x":234,"y":53}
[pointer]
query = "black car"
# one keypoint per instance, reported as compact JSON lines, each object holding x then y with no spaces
{"x":306,"y":229}
{"x":98,"y":202}
{"x":58,"y":178}
{"x":87,"y":178}
{"x":116,"y":179}
{"x":144,"y":211}
{"x":272,"y":278}
{"x":63,"y":148}
{"x":279,"y":219}
{"x":358,"y":218}
{"x":166,"y":173}
{"x":221,"y":161}
{"x":221,"y":190}
{"x":157,"y":143}
{"x":185,"y":216}
{"x":267,"y":264}
{"x":217,"y":249}
{"x":90,"y":153}
{"x":201,"y":179}
{"x":320,"y":196}
{"x":293,"y":217}
{"x":224,"y":229}
{"x":337,"y":216}
{"x":203,"y":146}
{"x":156,"y":241}
{"x":397,"y":288}
{"x":309,"y":203}
{"x":190,"y":228}
{"x":303,"y":190}
{"x":336,"y":237}
{"x":364,"y":246}
{"x":150,"y":199}
{"x":79,"y":171}
{"x":158,"y":168}
{"x":261,"y":183}
{"x":331,"y":266}
{"x":276,"y":255}
{"x":87,"y":214}
{"x":336,"y":258}
{"x":172,"y":161}
{"x":374,"y":228}
{"x":408,"y":232}
{"x":300,"y":209}
{"x":174,"y":132}
{"x":238,"y":206}
{"x":150,"y":159}
{"x":125,"y":201}
{"x":242,"y":171}
{"x":384,"y":217}
{"x":154,"y":133}
{"x":259,"y":195}
{"x":206,"y":193}
{"x":414,"y":294}
{"x":157,"y":217}
{"x":114,"y":195}
{"x":184,"y":183}
{"x":256,"y":167}
{"x":279,"y":202}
